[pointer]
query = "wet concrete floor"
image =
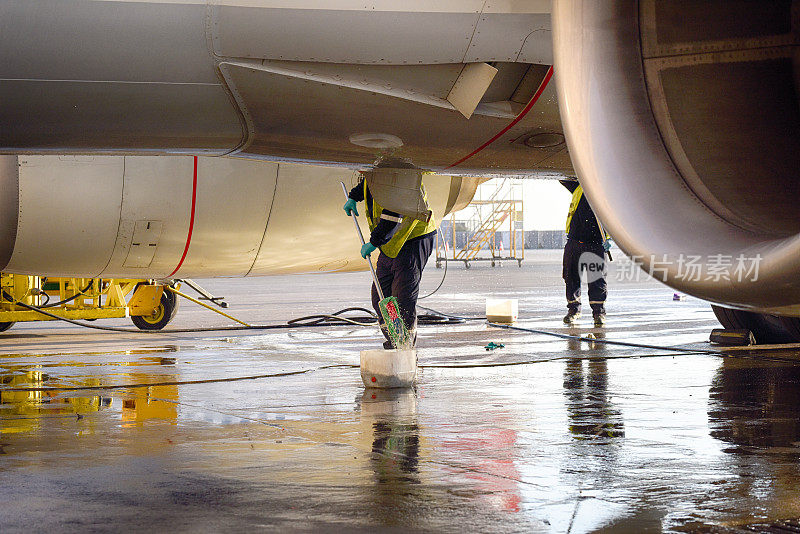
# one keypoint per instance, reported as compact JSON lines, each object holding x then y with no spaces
{"x":103,"y":431}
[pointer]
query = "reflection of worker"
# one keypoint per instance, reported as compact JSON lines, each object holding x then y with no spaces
{"x":585,"y":249}
{"x":405,"y":244}
{"x":591,"y":413}
{"x":395,"y":452}
{"x":391,"y":414}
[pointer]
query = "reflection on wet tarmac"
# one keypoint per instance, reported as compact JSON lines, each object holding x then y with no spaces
{"x":395,"y":442}
{"x":756,"y":405}
{"x":394,"y":456}
{"x":587,"y":438}
{"x":29,"y":398}
{"x":591,"y":413}
{"x":29,"y":411}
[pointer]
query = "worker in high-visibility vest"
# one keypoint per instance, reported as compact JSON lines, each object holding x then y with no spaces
{"x":585,"y":250}
{"x":405,"y":244}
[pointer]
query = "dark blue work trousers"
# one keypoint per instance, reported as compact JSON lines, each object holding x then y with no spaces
{"x":399,"y":277}
{"x":589,"y":258}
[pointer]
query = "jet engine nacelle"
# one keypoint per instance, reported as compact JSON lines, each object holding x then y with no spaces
{"x":683,"y":124}
{"x":178,"y":216}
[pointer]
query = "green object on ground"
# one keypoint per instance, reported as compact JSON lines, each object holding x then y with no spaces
{"x":492,"y":345}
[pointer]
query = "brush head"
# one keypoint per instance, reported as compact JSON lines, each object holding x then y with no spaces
{"x":395,"y":327}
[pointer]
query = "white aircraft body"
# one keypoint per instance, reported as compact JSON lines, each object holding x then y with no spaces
{"x":682,"y":118}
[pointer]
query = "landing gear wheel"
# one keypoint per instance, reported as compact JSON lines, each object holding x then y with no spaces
{"x":6,"y":326}
{"x":767,"y":329}
{"x":166,"y":310}
{"x":466,"y":264}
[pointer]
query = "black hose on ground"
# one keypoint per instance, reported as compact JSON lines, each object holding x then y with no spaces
{"x":451,"y":316}
{"x":65,"y":301}
{"x":444,"y":274}
{"x":320,"y":320}
{"x":607,"y":341}
{"x":338,"y":319}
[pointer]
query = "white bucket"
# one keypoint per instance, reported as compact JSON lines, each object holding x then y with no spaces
{"x":502,"y":310}
{"x":388,"y":368}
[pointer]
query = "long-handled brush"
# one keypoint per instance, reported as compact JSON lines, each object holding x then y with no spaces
{"x":389,"y":308}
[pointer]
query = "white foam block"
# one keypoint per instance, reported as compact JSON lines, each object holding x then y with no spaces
{"x":502,"y":310}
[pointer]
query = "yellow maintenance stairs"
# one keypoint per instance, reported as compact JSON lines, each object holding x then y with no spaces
{"x":33,"y":298}
{"x":504,"y":206}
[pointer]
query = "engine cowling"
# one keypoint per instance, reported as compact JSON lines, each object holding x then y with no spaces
{"x":178,"y":216}
{"x":683,"y":124}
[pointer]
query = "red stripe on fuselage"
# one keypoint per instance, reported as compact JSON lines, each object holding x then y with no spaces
{"x":191,"y":219}
{"x":518,"y":118}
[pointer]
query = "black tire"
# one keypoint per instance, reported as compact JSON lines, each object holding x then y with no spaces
{"x":728,"y":318}
{"x":792,"y":325}
{"x":767,"y":329}
{"x":165,"y":312}
{"x":6,"y":326}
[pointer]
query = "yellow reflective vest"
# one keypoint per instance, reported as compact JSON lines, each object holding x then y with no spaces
{"x":573,"y":206}
{"x":410,"y":228}
{"x":576,"y":198}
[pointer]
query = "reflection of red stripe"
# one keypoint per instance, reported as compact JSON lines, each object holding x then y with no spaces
{"x":191,"y":219}
{"x":519,"y":117}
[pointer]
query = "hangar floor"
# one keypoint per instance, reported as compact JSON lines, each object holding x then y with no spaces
{"x":105,"y":431}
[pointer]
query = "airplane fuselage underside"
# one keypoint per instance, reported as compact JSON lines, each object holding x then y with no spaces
{"x":295,"y":80}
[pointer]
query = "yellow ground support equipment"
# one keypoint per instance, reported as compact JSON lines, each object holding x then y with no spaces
{"x":150,"y":307}
{"x":503,"y":207}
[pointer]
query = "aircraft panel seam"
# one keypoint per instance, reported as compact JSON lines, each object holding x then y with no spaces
{"x":119,"y":223}
{"x":474,"y":29}
{"x":269,"y":215}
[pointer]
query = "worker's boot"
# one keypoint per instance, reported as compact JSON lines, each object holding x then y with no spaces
{"x":572,"y":317}
{"x":388,"y":345}
{"x":599,"y":319}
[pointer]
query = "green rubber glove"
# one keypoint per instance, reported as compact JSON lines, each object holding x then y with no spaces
{"x":349,"y":206}
{"x":367,"y":249}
